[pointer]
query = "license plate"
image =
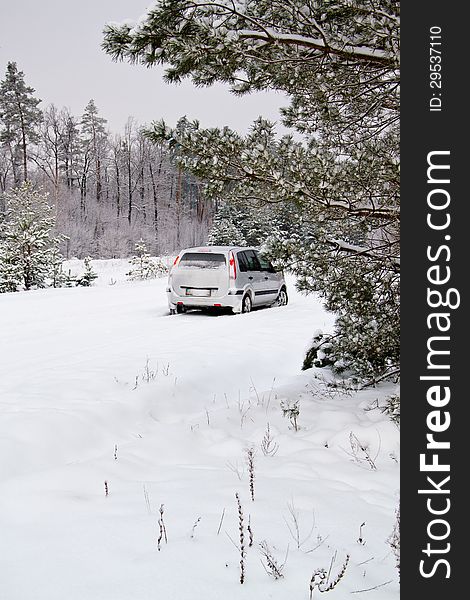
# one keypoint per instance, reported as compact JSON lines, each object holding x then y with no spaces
{"x":198,"y":293}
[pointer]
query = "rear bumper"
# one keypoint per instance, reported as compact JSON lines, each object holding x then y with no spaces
{"x":231,"y":300}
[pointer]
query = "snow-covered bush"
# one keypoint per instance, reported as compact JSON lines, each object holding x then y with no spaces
{"x":143,"y":266}
{"x":392,"y":408}
{"x":291,"y":410}
{"x":88,"y":276}
{"x":319,"y":353}
{"x":394,"y":540}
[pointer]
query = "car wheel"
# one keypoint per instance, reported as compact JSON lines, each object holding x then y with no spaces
{"x":246,"y":303}
{"x":282,"y":298}
{"x":180,"y":309}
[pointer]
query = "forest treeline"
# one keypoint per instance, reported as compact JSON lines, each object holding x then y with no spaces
{"x":109,"y":189}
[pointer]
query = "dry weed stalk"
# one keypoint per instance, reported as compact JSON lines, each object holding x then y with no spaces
{"x":271,"y":567}
{"x":162,"y":529}
{"x":260,"y":400}
{"x":148,"y":374}
{"x":241,"y":533}
{"x":106,"y":488}
{"x":360,"y":452}
{"x":376,"y":587}
{"x":320,"y":579}
{"x":221,"y":521}
{"x":250,"y":532}
{"x":166,"y":369}
{"x":394,"y":540}
{"x":193,"y":530}
{"x":236,"y":468}
{"x":250,"y":459}
{"x":268,"y":446}
{"x":360,"y":539}
{"x":243,"y":411}
{"x":147,"y":500}
{"x":294,"y":527}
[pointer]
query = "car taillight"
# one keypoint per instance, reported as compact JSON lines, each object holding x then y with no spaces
{"x":176,"y":261}
{"x":232,"y":266}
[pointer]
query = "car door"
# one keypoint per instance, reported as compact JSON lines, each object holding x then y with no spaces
{"x":244,"y":277}
{"x":269,"y":280}
{"x":251,"y":269}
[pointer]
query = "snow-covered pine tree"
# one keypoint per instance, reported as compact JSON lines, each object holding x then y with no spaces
{"x":88,"y":276}
{"x":143,"y":266}
{"x":225,"y":230}
{"x":338,"y":65}
{"x":95,"y":141}
{"x":19,"y":120}
{"x":58,"y":277}
{"x":28,"y":245}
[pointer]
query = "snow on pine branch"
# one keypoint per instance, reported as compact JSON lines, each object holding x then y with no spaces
{"x":359,"y":53}
{"x":343,"y":246}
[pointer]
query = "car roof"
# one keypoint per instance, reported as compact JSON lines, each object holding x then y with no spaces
{"x":211,"y":249}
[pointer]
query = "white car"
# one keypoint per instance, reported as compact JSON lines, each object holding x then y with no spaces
{"x":225,"y":277}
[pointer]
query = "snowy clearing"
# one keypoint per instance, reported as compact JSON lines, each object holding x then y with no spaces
{"x":101,"y":385}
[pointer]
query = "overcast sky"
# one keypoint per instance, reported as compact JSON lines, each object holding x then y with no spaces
{"x":56,"y":43}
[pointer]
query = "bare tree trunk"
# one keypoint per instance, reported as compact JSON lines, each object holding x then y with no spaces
{"x":23,"y":146}
{"x":83,"y":185}
{"x":129,"y":187}
{"x":82,"y":193}
{"x":155,"y":197}
{"x":13,"y":165}
{"x":118,"y":190}
{"x":142,"y":193}
{"x":178,"y":206}
{"x":201,"y":204}
{"x":98,"y":180}
{"x":3,"y":184}
{"x":56,"y":175}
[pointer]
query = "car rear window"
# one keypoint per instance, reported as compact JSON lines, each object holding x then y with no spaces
{"x":202,"y":260}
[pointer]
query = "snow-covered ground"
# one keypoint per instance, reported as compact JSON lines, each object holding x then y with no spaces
{"x":101,"y":384}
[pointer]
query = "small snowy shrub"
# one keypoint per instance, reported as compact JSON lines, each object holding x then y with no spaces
{"x":291,"y":410}
{"x":88,"y":276}
{"x":143,"y":266}
{"x":269,"y":446}
{"x":320,"y":353}
{"x":394,"y":540}
{"x":392,"y":408}
{"x":58,"y":276}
